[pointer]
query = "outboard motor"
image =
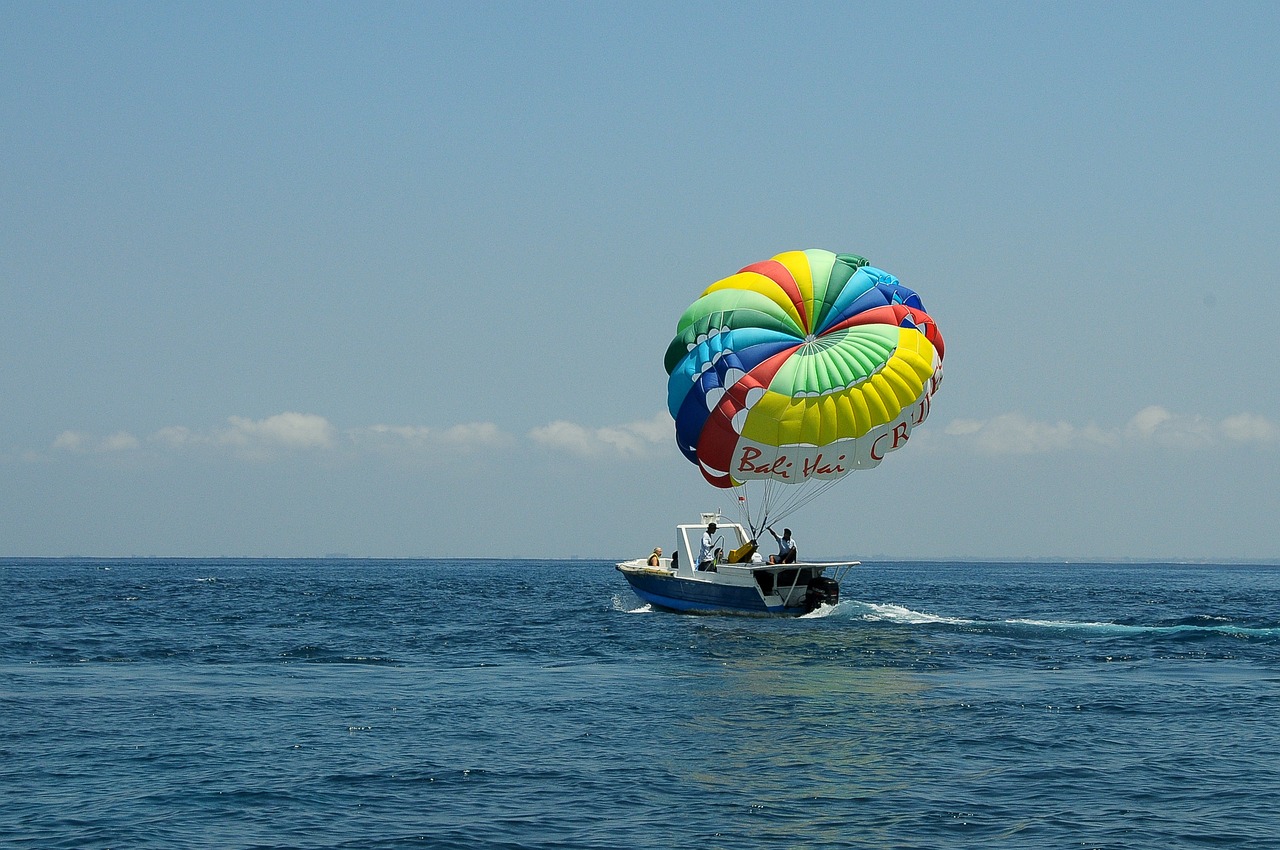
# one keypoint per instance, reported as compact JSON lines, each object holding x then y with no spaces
{"x":822,"y":591}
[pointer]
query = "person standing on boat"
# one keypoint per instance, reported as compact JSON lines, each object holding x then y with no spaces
{"x":656,"y":558}
{"x":707,"y":550}
{"x":786,"y":547}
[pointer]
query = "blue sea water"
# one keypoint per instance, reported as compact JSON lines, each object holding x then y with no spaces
{"x":526,"y":704}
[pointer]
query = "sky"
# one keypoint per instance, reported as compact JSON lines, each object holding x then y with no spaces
{"x":397,"y":280}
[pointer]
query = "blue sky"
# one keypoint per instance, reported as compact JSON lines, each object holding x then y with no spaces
{"x":397,"y":279}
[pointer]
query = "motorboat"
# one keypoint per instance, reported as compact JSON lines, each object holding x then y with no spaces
{"x":739,"y":580}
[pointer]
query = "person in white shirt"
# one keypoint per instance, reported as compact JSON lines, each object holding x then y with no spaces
{"x":786,"y":547}
{"x":706,"y":552}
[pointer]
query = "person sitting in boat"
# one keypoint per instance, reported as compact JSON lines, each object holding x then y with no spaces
{"x":655,"y":559}
{"x":707,"y":550}
{"x":786,"y":547}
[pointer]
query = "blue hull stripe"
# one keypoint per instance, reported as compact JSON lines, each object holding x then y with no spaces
{"x":685,"y":595}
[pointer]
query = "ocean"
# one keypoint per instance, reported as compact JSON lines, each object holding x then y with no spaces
{"x":530,"y":704}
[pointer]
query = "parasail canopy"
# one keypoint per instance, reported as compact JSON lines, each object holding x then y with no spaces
{"x":800,"y":369}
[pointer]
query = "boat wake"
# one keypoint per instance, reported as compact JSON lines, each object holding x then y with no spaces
{"x":1199,"y":626}
{"x":896,"y":614}
{"x":1184,"y":627}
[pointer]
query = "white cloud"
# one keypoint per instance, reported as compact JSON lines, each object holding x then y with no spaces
{"x":254,"y":438}
{"x":1005,"y":434}
{"x":284,"y":430}
{"x":1016,"y":434}
{"x":261,"y":439}
{"x":121,"y":441}
{"x":1013,"y":433}
{"x":72,"y":441}
{"x":1148,"y":420}
{"x":468,"y":436}
{"x":176,"y":436}
{"x":1250,"y":428}
{"x":1163,"y":428}
{"x":80,"y":442}
{"x":634,"y":439}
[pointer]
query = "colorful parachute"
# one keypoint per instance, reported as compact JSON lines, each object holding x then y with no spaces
{"x":800,"y":368}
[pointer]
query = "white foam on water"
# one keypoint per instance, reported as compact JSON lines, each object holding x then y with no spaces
{"x":619,"y":603}
{"x":889,"y":613}
{"x":900,"y":614}
{"x":822,"y":610}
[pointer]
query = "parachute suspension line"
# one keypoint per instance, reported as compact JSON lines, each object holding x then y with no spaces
{"x":756,"y":515}
{"x":754,"y":499}
{"x":761,"y":502}
{"x":791,"y":498}
{"x":758,"y":503}
{"x":804,"y":499}
{"x":766,"y":506}
{"x":744,"y":507}
{"x":814,"y":493}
